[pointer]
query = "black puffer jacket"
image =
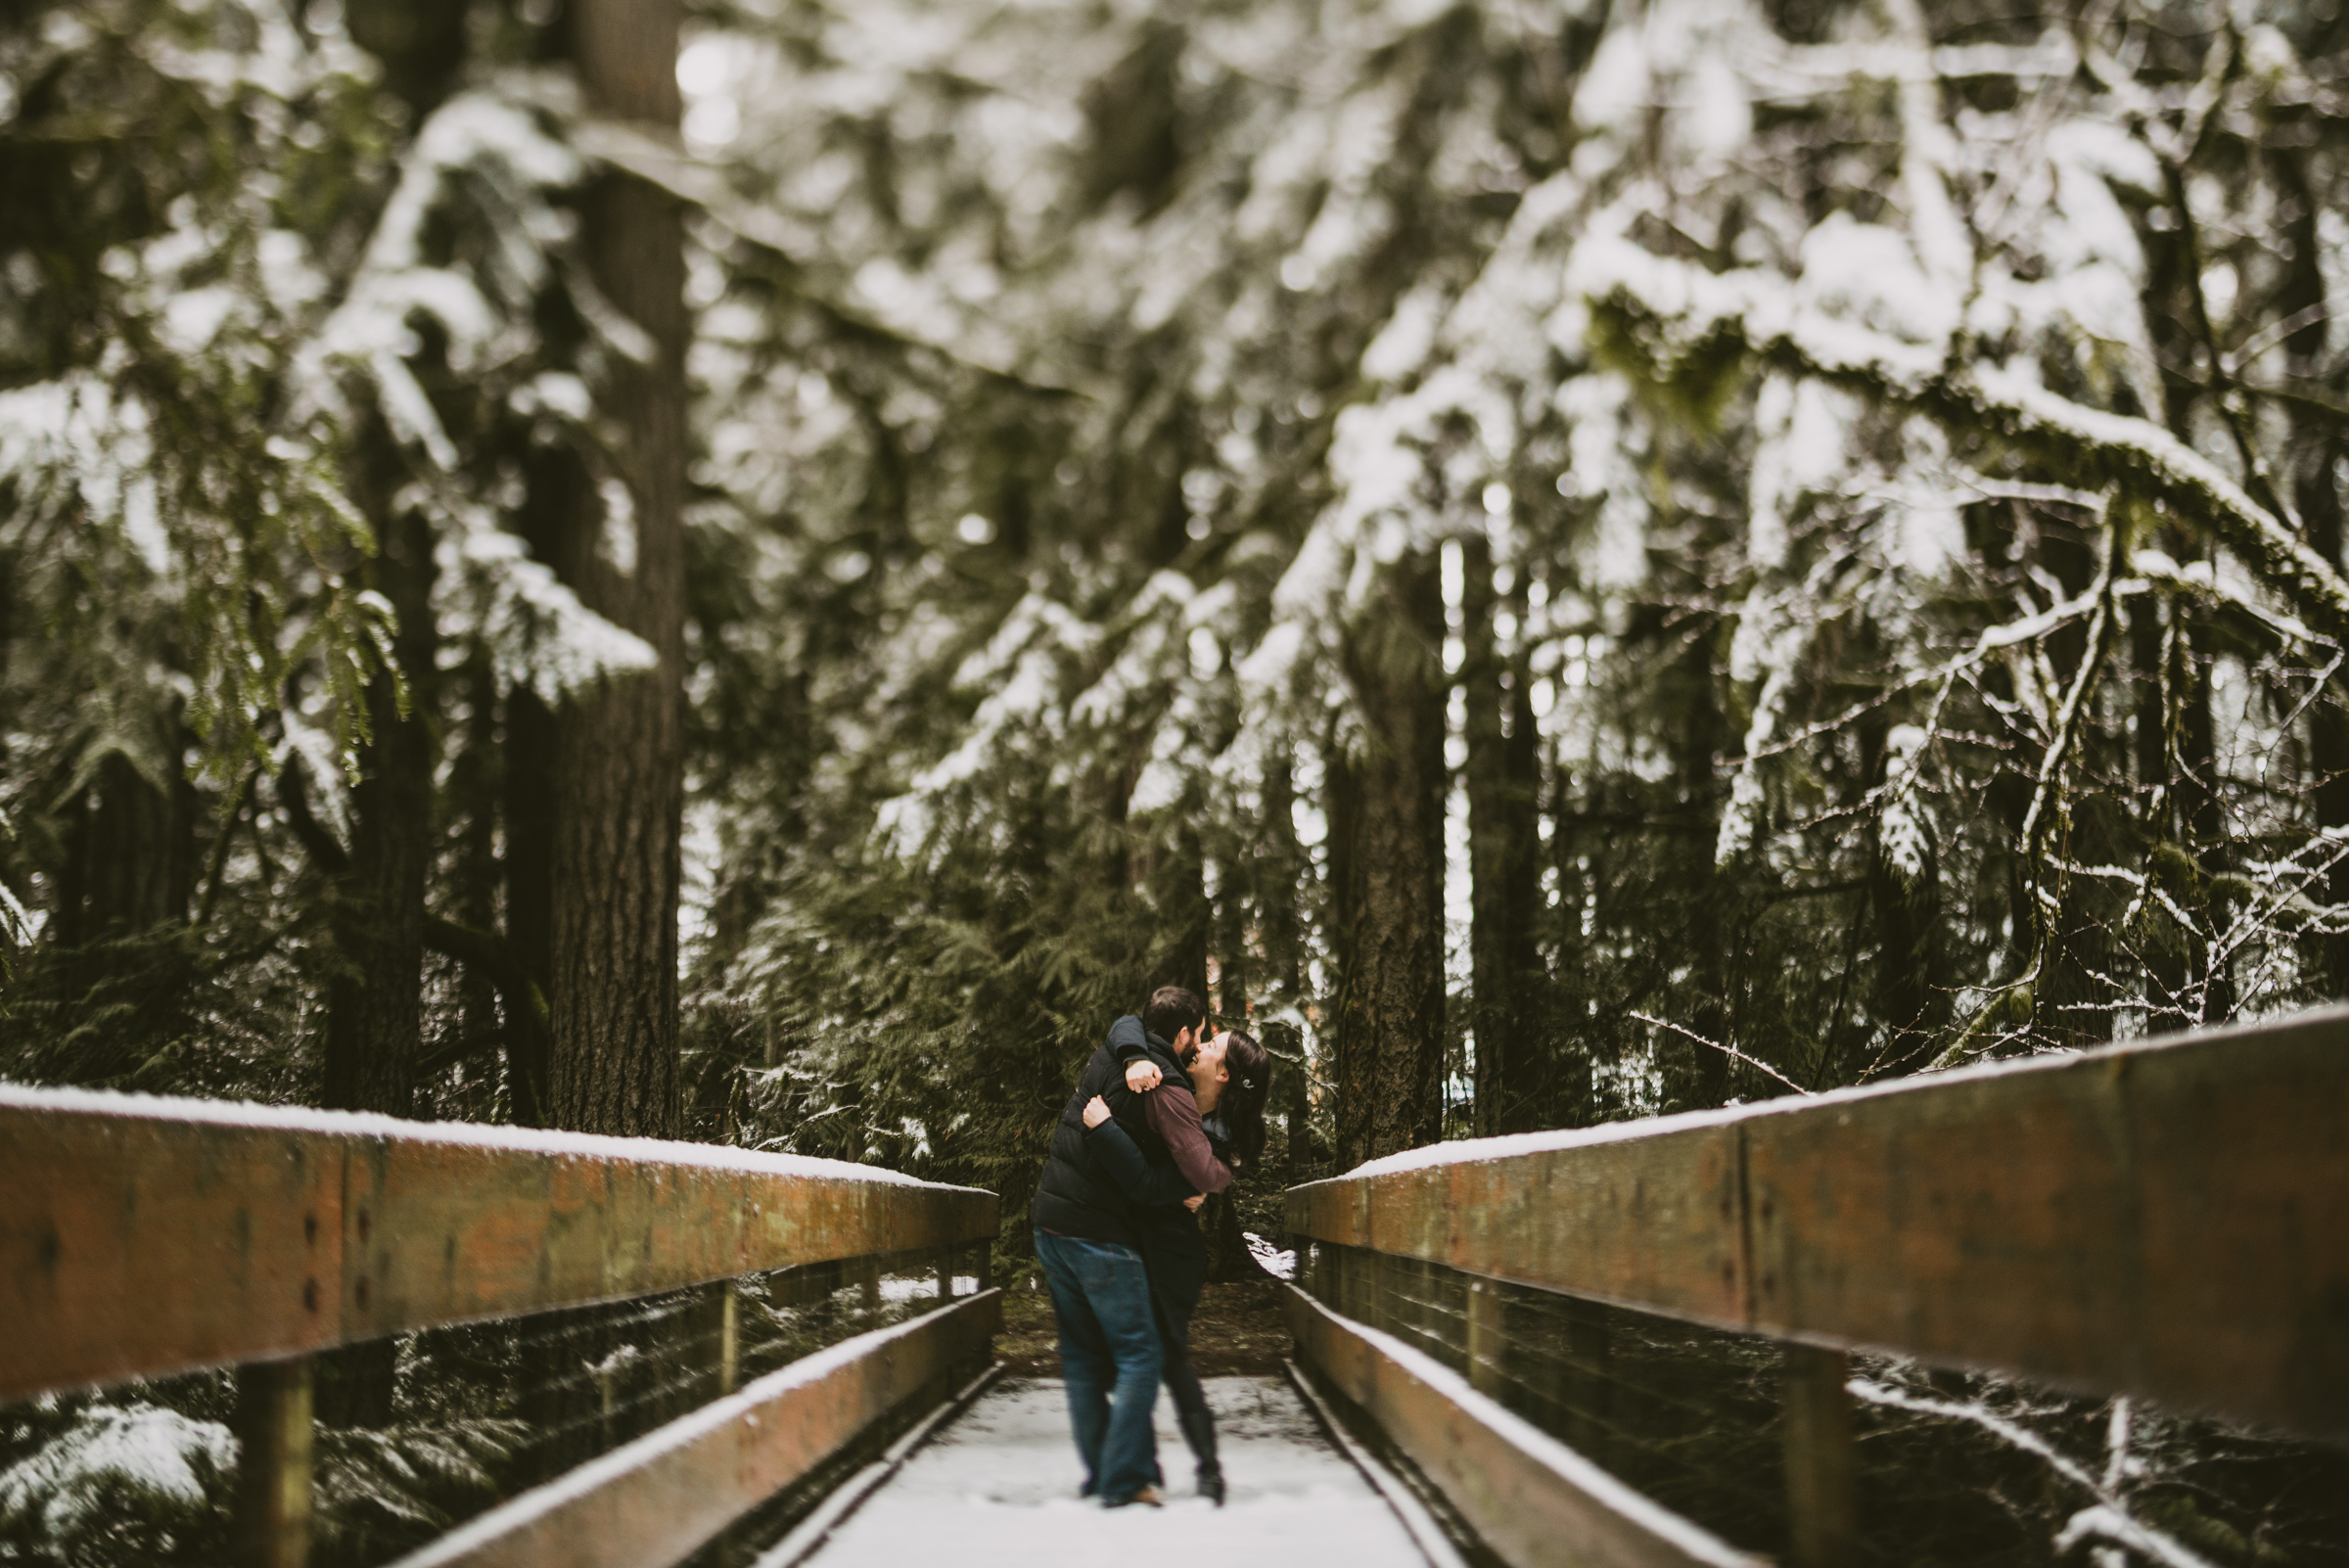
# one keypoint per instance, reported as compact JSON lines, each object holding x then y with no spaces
{"x":1128,"y":1151}
{"x":1076,"y":1196}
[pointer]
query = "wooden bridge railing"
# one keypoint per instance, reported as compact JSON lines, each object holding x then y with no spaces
{"x":141,"y":1237}
{"x":2168,"y":1218}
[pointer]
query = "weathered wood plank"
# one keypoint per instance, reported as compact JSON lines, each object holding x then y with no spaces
{"x":1654,"y":1217}
{"x":1534,"y":1500}
{"x":2168,"y":1218}
{"x":142,"y":1236}
{"x":136,"y":1244}
{"x":658,"y":1500}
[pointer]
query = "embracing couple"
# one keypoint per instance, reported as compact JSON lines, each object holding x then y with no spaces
{"x":1162,"y":1114}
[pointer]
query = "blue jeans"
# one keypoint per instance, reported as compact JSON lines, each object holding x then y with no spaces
{"x":1108,"y":1343}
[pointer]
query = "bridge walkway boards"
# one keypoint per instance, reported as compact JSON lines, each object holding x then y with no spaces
{"x":997,"y":1488}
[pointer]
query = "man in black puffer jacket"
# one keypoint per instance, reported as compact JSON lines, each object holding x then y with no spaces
{"x":1167,"y":1171}
{"x":1088,"y":1239}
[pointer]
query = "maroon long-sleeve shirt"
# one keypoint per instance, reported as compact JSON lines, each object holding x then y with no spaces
{"x":1175,"y":1116}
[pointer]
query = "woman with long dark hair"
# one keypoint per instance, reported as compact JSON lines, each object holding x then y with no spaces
{"x":1230,"y":1080}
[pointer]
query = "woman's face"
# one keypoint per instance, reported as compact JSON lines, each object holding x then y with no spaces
{"x":1208,"y":1066}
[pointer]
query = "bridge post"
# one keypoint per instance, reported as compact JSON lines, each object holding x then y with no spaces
{"x":946,"y":1275}
{"x":1488,"y":1342}
{"x":274,"y":1427}
{"x":729,"y":1337}
{"x":1587,"y":1385}
{"x":1823,"y":1461}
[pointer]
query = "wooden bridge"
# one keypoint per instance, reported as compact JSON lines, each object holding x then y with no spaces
{"x":2168,"y":1219}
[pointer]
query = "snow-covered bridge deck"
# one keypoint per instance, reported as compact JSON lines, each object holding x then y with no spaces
{"x":999,"y":1483}
{"x":2168,"y":1218}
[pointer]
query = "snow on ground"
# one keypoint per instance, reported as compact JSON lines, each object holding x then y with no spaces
{"x":999,"y":1485}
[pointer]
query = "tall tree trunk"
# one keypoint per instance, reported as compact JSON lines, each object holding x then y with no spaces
{"x":128,"y":871}
{"x":1228,"y":1255}
{"x":1281,"y":930}
{"x":1504,"y":854}
{"x":2199,"y":812}
{"x":618,"y":753}
{"x":2073,"y":1003}
{"x":1185,"y":919}
{"x":131,"y":854}
{"x":472,"y":792}
{"x":374,"y":1000}
{"x":1567,"y":1005}
{"x":1231,"y":939}
{"x":558,"y":489}
{"x":2163,"y":949}
{"x":530,"y":873}
{"x":1342,"y":798}
{"x":1391,"y":1002}
{"x":596,"y":790}
{"x":375,"y":1005}
{"x":2316,"y":491}
{"x":2203,"y":815}
{"x":1696,"y":1075}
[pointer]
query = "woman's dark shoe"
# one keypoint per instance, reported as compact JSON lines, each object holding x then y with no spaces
{"x":1199,"y":1429}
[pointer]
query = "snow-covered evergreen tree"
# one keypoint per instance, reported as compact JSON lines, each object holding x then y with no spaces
{"x":1561,"y":560}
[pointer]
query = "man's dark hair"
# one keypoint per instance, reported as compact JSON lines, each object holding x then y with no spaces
{"x":1173,"y":1010}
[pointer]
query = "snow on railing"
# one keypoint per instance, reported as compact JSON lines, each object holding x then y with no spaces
{"x":2167,"y":1218}
{"x":141,"y":1237}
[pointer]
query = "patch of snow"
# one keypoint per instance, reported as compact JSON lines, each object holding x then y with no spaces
{"x":1800,"y":427}
{"x":619,"y":538}
{"x":1273,"y":1261}
{"x":537,"y":633}
{"x":1907,"y":831}
{"x":140,"y":1446}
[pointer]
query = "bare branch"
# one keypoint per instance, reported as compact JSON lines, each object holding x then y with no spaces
{"x":1726,"y":1050}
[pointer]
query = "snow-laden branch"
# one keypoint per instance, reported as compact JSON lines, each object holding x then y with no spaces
{"x":1993,"y":640}
{"x":659,"y":162}
{"x":2036,"y":819}
{"x":1679,"y":318}
{"x":2198,"y":577}
{"x":2108,"y":1518}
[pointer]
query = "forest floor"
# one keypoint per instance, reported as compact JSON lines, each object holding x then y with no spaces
{"x":1237,"y":1331}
